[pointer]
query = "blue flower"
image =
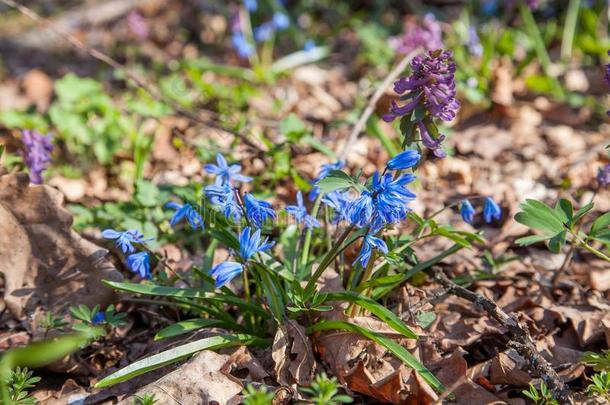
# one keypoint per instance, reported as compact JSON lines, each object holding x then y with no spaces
{"x":185,"y":211}
{"x":258,"y":211}
{"x":339,"y":201}
{"x":250,"y":244}
{"x":225,"y":272}
{"x":309,"y":45}
{"x":324,"y":172}
{"x":225,"y":173}
{"x":467,"y":211}
{"x":223,"y":197}
{"x":125,"y":239}
{"x":491,"y":210}
{"x":369,"y":243}
{"x":264,"y":32}
{"x":404,"y":160}
{"x":299,"y":212}
{"x":360,"y":210}
{"x":251,"y":5}
{"x":139,"y":263}
{"x":243,"y":47}
{"x":280,"y":21}
{"x":98,"y":318}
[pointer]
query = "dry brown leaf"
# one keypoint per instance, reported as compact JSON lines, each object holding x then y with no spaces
{"x":293,"y":356}
{"x":43,"y":260}
{"x":241,"y":359}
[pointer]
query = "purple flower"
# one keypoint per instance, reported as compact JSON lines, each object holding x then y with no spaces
{"x":432,"y":82}
{"x":427,"y":35}
{"x":404,"y":160}
{"x":258,"y":211}
{"x":434,"y":144}
{"x":491,"y":210}
{"x":607,"y":75}
{"x":280,"y":21}
{"x":37,"y":153}
{"x":324,"y":172}
{"x":243,"y":47}
{"x":137,"y":24}
{"x":125,"y":239}
{"x":467,"y":211}
{"x":186,"y":211}
{"x":299,"y":212}
{"x":225,"y":173}
{"x":225,"y":272}
{"x":251,"y":243}
{"x":139,"y":263}
{"x":369,"y":243}
{"x":474,"y":43}
{"x":603,"y":176}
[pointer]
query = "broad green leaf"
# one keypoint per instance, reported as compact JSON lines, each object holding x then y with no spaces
{"x":375,"y":308}
{"x":180,"y":328}
{"x":600,"y":224}
{"x":529,"y":240}
{"x":557,"y":241}
{"x":178,"y":353}
{"x":293,"y":128}
{"x":335,"y":180}
{"x":399,"y":351}
{"x":564,"y":211}
{"x":539,"y":216}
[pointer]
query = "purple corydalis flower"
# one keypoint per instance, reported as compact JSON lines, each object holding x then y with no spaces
{"x":257,"y":211}
{"x":137,"y":24}
{"x":432,"y":82}
{"x":467,"y":211}
{"x":125,"y":239}
{"x":299,"y":212}
{"x":37,"y":153}
{"x":491,"y":210}
{"x":426,"y":34}
{"x":251,"y":243}
{"x":186,"y":211}
{"x":224,"y":272}
{"x":369,"y":243}
{"x":603,"y":176}
{"x":139,"y":263}
{"x":226,"y":174}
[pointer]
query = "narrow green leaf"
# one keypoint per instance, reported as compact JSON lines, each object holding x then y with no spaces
{"x":180,"y":328}
{"x":375,"y":308}
{"x":178,"y":353}
{"x":529,"y":240}
{"x":600,"y":224}
{"x":399,"y":351}
{"x":582,"y":212}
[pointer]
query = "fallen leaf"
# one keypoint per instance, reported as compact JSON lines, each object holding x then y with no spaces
{"x":293,"y":356}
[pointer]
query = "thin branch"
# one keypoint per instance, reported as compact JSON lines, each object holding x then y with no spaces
{"x":521,"y":340}
{"x":370,"y":107}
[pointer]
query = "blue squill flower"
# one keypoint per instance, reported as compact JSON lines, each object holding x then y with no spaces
{"x":280,"y":21}
{"x":339,"y":201}
{"x":404,"y":160}
{"x":139,"y":263}
{"x":125,"y":239}
{"x":325,"y":170}
{"x":257,"y":211}
{"x":360,"y":210}
{"x":251,"y":243}
{"x":309,"y":45}
{"x":98,"y":318}
{"x":491,"y":210}
{"x":299,"y":212}
{"x":241,"y":44}
{"x":474,"y":43}
{"x":467,"y":211}
{"x":225,"y":173}
{"x":225,"y":272}
{"x":391,"y":198}
{"x":223,"y":197}
{"x":186,"y":211}
{"x":264,"y":32}
{"x":369,"y":243}
{"x":251,"y":5}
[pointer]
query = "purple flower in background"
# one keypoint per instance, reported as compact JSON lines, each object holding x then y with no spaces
{"x":139,"y":263}
{"x":603,"y":176}
{"x":426,"y":34}
{"x":243,"y":47}
{"x":491,"y":210}
{"x":369,"y":243}
{"x":37,"y":153}
{"x":137,"y":24}
{"x":280,"y":21}
{"x":186,"y":211}
{"x":226,"y":174}
{"x":225,"y":272}
{"x":125,"y":239}
{"x":467,"y":211}
{"x":432,"y":82}
{"x":474,"y":43}
{"x":325,"y":170}
{"x":264,"y":32}
{"x":299,"y":212}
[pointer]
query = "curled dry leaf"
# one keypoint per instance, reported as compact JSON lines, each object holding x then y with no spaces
{"x":293,"y":356}
{"x":43,"y":260}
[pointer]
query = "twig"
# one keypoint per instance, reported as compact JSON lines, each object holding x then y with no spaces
{"x":152,"y":90}
{"x":521,"y":340}
{"x":370,"y":107}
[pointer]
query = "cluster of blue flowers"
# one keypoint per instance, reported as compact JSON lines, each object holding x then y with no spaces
{"x":491,"y":211}
{"x":138,"y":263}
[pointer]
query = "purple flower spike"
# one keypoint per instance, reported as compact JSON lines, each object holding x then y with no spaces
{"x":603,"y":176}
{"x":37,"y":153}
{"x":426,"y":34}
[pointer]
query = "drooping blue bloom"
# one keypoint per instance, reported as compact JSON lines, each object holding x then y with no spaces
{"x":491,"y":210}
{"x":309,"y":45}
{"x":360,"y":210}
{"x":404,"y":160}
{"x":241,"y":44}
{"x":225,"y":272}
{"x":280,"y":21}
{"x":339,"y":201}
{"x":251,"y":5}
{"x":125,"y":239}
{"x":467,"y":211}
{"x":257,"y":211}
{"x":264,"y":32}
{"x":224,"y":198}
{"x":325,"y":170}
{"x":98,"y":318}
{"x":185,"y":211}
{"x":139,"y":263}
{"x":299,"y":212}
{"x":369,"y":243}
{"x":225,"y":173}
{"x":251,"y":243}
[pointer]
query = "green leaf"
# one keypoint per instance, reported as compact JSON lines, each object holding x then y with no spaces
{"x":582,"y":212}
{"x":293,"y":128}
{"x":147,"y":194}
{"x":425,"y":318}
{"x":538,"y":215}
{"x":399,"y":351}
{"x":565,"y":211}
{"x":180,"y":328}
{"x":600,"y":224}
{"x":178,"y":353}
{"x":335,"y":180}
{"x":318,"y":145}
{"x":376,"y":309}
{"x":529,"y":240}
{"x":557,"y":241}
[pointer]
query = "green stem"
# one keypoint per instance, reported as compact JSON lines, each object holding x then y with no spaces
{"x":569,"y":29}
{"x":309,"y":233}
{"x":596,"y":252}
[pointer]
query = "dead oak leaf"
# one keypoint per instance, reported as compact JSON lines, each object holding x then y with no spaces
{"x":293,"y":356}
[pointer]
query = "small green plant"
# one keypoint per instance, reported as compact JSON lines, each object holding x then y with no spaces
{"x":257,"y":396}
{"x":19,"y":381}
{"x":600,"y":386}
{"x":92,"y":317}
{"x":50,"y":322}
{"x":542,"y":397}
{"x":599,"y":361}
{"x":325,"y":391}
{"x":146,"y":399}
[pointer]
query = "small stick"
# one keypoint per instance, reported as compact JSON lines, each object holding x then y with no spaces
{"x":370,"y":107}
{"x":521,"y":340}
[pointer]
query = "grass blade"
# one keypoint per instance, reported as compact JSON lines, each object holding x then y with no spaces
{"x":180,"y":328}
